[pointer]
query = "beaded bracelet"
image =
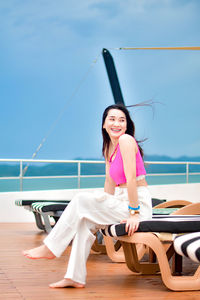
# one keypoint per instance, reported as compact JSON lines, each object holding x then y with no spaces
{"x":134,"y":208}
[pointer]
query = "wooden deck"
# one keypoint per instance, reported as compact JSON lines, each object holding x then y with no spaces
{"x":21,"y":278}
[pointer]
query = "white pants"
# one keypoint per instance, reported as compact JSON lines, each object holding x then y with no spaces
{"x":85,"y":214}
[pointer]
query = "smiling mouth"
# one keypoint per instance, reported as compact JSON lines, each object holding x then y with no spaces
{"x":115,"y":130}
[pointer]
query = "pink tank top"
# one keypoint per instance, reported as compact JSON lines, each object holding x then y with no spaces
{"x":117,"y":167}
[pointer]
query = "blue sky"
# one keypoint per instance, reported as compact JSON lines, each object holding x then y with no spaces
{"x":46,"y":50}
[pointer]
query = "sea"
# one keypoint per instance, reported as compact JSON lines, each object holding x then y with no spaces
{"x":72,"y":183}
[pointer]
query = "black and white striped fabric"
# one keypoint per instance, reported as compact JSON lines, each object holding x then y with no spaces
{"x":114,"y":230}
{"x":170,"y":224}
{"x":188,"y":245}
{"x":48,"y":206}
{"x":29,"y":202}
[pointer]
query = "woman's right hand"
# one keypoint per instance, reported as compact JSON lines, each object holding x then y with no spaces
{"x":132,"y":224}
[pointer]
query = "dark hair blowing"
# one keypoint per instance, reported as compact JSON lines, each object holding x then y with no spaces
{"x":130,"y":128}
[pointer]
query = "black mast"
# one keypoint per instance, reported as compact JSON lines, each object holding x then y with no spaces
{"x":112,"y":75}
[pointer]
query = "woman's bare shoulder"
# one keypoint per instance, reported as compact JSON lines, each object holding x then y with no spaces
{"x":127,"y":140}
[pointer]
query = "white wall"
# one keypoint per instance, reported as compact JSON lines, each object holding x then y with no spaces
{"x":190,"y":192}
{"x":9,"y":212}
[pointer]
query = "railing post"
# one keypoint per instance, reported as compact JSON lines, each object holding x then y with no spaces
{"x":21,"y":176}
{"x":79,"y":174}
{"x":187,"y":172}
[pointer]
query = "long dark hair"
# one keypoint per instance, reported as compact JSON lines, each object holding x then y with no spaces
{"x":130,"y":128}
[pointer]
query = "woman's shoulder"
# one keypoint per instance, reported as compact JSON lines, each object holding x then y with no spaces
{"x":126,"y":140}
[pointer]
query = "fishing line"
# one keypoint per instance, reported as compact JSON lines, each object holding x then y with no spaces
{"x":62,"y":111}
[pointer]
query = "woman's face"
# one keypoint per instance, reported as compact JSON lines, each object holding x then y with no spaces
{"x":115,"y":123}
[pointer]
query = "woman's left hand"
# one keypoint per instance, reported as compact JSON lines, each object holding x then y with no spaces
{"x":132,"y":224}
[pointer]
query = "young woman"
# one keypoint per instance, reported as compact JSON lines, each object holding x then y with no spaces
{"x":125,"y":198}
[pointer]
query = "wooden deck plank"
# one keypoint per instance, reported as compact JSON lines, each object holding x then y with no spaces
{"x":21,"y":278}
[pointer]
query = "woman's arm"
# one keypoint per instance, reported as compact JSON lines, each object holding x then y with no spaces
{"x":109,"y":186}
{"x":128,"y":148}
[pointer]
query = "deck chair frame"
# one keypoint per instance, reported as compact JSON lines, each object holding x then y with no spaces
{"x":184,"y":207}
{"x":42,"y":219}
{"x":175,"y":283}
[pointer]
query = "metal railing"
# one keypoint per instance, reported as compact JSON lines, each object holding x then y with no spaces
{"x":22,"y":163}
{"x":186,"y":173}
{"x":21,"y":177}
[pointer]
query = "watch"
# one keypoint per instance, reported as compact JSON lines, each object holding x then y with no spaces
{"x":133,"y":212}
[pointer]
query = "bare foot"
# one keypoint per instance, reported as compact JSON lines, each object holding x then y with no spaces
{"x":66,"y":282}
{"x":39,"y":252}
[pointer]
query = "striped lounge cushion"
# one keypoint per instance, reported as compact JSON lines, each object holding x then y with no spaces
{"x":188,"y":245}
{"x":164,"y":211}
{"x":170,"y":224}
{"x":29,"y":202}
{"x":48,"y":206}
